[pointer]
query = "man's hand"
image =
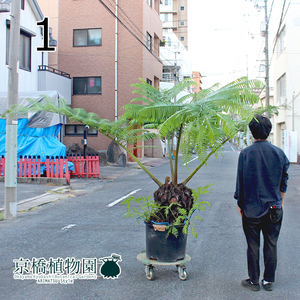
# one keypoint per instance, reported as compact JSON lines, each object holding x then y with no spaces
{"x":240,"y":212}
{"x":282,"y":194}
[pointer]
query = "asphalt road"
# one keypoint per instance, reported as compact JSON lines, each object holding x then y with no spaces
{"x":86,"y":226}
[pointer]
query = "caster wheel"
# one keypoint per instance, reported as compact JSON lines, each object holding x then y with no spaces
{"x":182,"y":273}
{"x":149,"y":273}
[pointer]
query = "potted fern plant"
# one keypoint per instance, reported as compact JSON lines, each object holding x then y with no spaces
{"x":201,"y":122}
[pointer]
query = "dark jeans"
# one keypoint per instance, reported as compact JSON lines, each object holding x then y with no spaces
{"x":270,"y":229}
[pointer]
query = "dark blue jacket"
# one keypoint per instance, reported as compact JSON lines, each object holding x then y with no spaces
{"x":261,"y":176}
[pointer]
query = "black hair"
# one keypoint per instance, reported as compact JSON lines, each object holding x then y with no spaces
{"x":260,"y":127}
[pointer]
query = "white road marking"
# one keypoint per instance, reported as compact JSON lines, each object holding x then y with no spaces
{"x":120,"y":199}
{"x":190,"y":161}
{"x":68,"y":226}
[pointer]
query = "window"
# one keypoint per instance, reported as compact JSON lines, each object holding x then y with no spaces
{"x":86,"y":85}
{"x":149,"y":81}
{"x":169,"y":41}
{"x":79,"y":130}
{"x":281,"y":41}
{"x":25,"y":49}
{"x":23,"y":4}
{"x":149,"y":41}
{"x":168,"y":2}
{"x":182,"y":38}
{"x":87,"y":37}
{"x":149,"y":2}
{"x":181,"y":23}
{"x":181,"y":7}
{"x":281,"y":89}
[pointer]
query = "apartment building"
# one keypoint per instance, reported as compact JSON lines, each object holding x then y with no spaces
{"x":174,"y":15}
{"x":105,"y":46}
{"x":286,"y":65}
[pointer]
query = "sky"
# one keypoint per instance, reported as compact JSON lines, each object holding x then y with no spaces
{"x":224,"y":39}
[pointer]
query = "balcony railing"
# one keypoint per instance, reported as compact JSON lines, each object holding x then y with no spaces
{"x":50,"y":69}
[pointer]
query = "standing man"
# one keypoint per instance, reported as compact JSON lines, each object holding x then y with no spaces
{"x":260,"y":190}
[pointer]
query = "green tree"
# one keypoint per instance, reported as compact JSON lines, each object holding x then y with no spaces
{"x":202,"y":121}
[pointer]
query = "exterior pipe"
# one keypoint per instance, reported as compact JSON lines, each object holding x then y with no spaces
{"x":116,"y":63}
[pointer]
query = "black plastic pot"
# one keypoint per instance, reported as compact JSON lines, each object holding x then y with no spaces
{"x":163,"y":248}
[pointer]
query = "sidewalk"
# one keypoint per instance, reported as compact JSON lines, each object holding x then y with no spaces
{"x":30,"y":195}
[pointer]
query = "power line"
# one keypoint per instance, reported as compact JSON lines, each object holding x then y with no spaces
{"x":126,"y":27}
{"x":280,"y":23}
{"x":120,"y":8}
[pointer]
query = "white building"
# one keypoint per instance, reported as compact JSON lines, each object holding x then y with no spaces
{"x":286,"y":66}
{"x":34,"y":73}
{"x":176,"y":62}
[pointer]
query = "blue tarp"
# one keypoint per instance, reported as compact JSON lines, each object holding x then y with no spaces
{"x":41,"y":142}
{"x":37,"y":133}
{"x":34,"y":141}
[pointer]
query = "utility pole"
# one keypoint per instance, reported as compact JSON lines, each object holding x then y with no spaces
{"x":10,"y":189}
{"x":266,"y":50}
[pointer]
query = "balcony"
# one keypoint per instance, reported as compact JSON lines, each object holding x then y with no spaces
{"x":53,"y":79}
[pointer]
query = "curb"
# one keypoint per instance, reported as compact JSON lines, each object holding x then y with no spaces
{"x":53,"y":195}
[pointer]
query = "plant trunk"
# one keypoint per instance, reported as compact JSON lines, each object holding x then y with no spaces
{"x":178,"y":196}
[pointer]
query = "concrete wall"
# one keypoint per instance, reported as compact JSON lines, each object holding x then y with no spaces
{"x":48,"y":81}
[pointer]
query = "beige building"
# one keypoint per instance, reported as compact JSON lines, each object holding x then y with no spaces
{"x":197,"y":78}
{"x":174,"y":15}
{"x":105,"y":48}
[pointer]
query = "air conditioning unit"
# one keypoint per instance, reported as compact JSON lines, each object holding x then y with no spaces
{"x":5,"y":5}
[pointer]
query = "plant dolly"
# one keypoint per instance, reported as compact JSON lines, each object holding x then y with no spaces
{"x":150,"y":263}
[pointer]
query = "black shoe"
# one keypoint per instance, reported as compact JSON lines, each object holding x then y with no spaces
{"x":268,"y":286}
{"x":250,"y":285}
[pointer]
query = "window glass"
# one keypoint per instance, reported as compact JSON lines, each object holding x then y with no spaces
{"x":87,"y":37}
{"x":94,"y":37}
{"x":149,"y":41}
{"x":79,"y":130}
{"x":24,"y":50}
{"x":281,"y":41}
{"x":281,"y":89}
{"x":69,"y":129}
{"x":94,"y":85}
{"x":86,"y":85}
{"x":80,"y":37}
{"x":79,"y":85}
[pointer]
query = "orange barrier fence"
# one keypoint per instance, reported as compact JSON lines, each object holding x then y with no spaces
{"x":34,"y":167}
{"x":88,"y":166}
{"x":56,"y":167}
